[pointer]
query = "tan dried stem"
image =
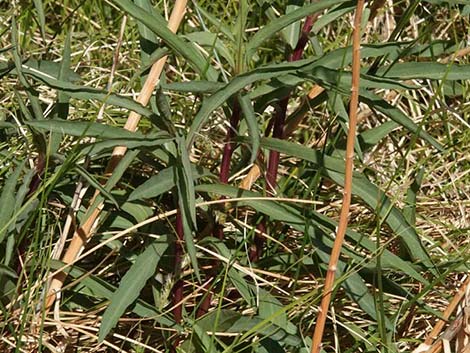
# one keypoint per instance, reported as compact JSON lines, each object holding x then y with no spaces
{"x":81,"y":188}
{"x":349,"y":165}
{"x":434,"y":343}
{"x":84,"y":232}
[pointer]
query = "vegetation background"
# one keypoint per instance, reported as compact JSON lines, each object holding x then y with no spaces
{"x":215,"y":228}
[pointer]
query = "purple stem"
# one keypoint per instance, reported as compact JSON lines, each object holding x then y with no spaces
{"x":218,"y":232}
{"x":278,"y":132}
{"x":229,"y":145}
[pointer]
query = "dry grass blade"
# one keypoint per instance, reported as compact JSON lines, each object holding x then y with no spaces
{"x":343,"y":220}
{"x":82,"y":235}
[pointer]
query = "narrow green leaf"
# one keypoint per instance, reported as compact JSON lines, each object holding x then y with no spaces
{"x":425,"y":70}
{"x":102,"y":289}
{"x":51,"y":68}
{"x":138,"y":210}
{"x":396,"y":115}
{"x":363,"y":188}
{"x":272,"y":309}
{"x":251,"y":121}
{"x":278,"y":24}
{"x":85,"y":129}
{"x":255,"y":325}
{"x":149,"y":141}
{"x":291,"y":33}
{"x":187,"y":201}
{"x":32,"y":94}
{"x":7,"y":198}
{"x":409,"y":211}
{"x":372,"y":137}
{"x":332,"y":15}
{"x":224,"y":29}
{"x":186,"y":180}
{"x":96,"y":184}
{"x":369,"y":192}
{"x":333,"y":59}
{"x":114,"y":178}
{"x":193,"y":86}
{"x":163,"y":182}
{"x":41,"y":17}
{"x":84,"y":92}
{"x":210,"y":40}
{"x":165,"y":112}
{"x":235,"y":276}
{"x":64,"y":71}
{"x":131,"y":284}
{"x":148,"y":39}
{"x":160,"y":28}
{"x":388,"y":259}
{"x":358,"y":291}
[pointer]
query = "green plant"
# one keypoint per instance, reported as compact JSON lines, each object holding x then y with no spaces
{"x":188,"y":259}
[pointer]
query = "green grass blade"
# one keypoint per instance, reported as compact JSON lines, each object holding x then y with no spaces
{"x":299,"y":68}
{"x":83,"y":92}
{"x":85,"y":129}
{"x":147,"y":142}
{"x":234,"y":275}
{"x":131,"y":284}
{"x":32,"y":94}
{"x":409,"y":211}
{"x":148,"y":39}
{"x":396,"y":115}
{"x":371,"y":137}
{"x":7,"y":198}
{"x":163,"y":182}
{"x":425,"y":70}
{"x":114,"y":178}
{"x":187,"y":201}
{"x":363,"y":188}
{"x":332,"y":15}
{"x":159,"y":27}
{"x":291,"y":33}
{"x":96,"y":184}
{"x":252,"y":123}
{"x":226,"y":30}
{"x":210,"y":40}
{"x":194,"y":86}
{"x":64,"y":71}
{"x":41,"y":17}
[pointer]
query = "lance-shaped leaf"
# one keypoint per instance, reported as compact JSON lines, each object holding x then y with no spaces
{"x":132,"y":283}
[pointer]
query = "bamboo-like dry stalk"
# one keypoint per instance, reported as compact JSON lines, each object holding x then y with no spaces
{"x":349,"y":166}
{"x":433,"y":343}
{"x":84,"y":232}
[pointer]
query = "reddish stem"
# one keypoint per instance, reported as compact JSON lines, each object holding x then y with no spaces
{"x":218,"y":232}
{"x":229,"y":145}
{"x":278,"y":132}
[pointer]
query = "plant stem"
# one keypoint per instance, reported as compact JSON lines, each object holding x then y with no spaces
{"x":278,"y":132}
{"x":349,"y":164}
{"x":224,"y":175}
{"x":229,"y":145}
